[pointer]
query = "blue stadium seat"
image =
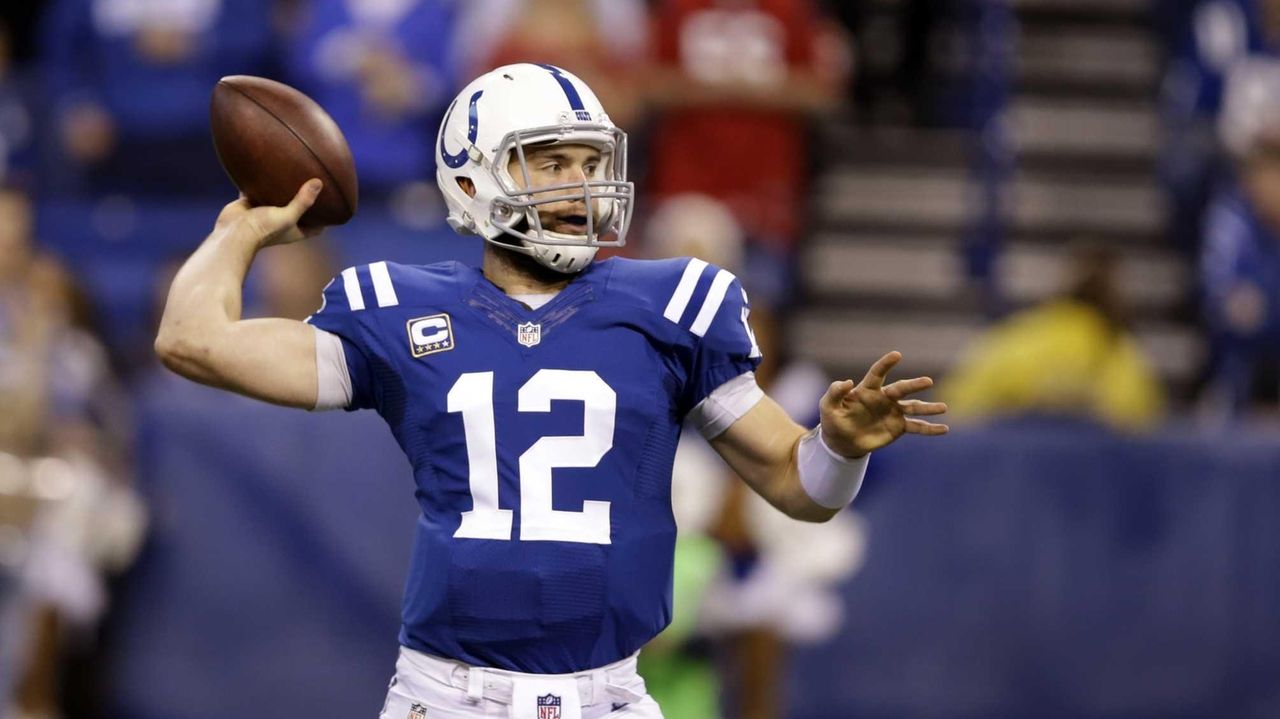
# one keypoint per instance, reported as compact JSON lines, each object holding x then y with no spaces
{"x":120,"y":248}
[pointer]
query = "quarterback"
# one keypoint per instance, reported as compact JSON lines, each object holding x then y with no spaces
{"x":539,"y":399}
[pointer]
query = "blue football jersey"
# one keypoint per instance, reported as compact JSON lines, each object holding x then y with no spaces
{"x":541,"y":443}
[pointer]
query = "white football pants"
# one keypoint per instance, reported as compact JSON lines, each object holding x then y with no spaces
{"x":429,"y":687}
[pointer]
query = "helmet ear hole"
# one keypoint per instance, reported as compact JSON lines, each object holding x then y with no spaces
{"x":467,"y":185}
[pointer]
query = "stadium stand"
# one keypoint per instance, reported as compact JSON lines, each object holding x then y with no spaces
{"x":882,"y":263}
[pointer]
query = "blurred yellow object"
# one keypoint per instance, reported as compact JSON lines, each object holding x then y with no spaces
{"x":1063,"y":357}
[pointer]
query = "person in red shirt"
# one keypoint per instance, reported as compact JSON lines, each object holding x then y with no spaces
{"x":598,"y":40}
{"x":736,"y":83}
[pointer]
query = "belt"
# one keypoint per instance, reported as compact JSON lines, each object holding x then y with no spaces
{"x":595,"y":686}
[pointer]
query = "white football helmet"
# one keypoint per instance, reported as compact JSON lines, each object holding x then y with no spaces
{"x":491,"y":122}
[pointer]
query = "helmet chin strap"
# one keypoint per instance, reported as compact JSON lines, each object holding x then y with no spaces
{"x":568,"y":259}
{"x":565,"y":259}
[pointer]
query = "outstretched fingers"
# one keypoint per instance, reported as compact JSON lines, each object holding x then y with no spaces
{"x":916,"y":408}
{"x":904,"y":387}
{"x":919,"y":426}
{"x":880,"y":370}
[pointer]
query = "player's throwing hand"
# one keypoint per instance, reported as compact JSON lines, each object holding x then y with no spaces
{"x":273,"y":225}
{"x":858,"y":419}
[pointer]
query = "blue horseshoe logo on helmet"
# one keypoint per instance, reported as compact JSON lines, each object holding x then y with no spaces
{"x":570,"y":92}
{"x":473,"y":131}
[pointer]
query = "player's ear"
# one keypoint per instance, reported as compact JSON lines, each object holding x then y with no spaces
{"x":467,"y":186}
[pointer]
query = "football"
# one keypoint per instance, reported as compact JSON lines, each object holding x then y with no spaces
{"x":271,"y":138}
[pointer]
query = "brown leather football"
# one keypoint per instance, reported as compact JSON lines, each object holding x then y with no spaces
{"x":270,"y":139}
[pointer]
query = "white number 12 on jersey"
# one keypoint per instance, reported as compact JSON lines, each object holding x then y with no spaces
{"x":472,"y":395}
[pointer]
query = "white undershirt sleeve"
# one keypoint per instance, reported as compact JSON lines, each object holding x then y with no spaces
{"x":334,"y":390}
{"x":725,"y":405}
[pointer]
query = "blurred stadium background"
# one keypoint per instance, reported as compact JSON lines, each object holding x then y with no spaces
{"x":1067,"y":211}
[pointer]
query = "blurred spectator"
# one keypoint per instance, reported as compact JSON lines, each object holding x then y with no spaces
{"x":677,"y":665}
{"x":1071,"y":356}
{"x":778,"y":586}
{"x":129,"y":84}
{"x":776,"y":576}
{"x":17,"y":120}
{"x":620,"y":26}
{"x":63,"y":444}
{"x":601,"y":41}
{"x":853,"y":16}
{"x":1240,"y":255}
{"x":693,"y":225}
{"x":1203,"y":40}
{"x":736,"y":86}
{"x":384,"y":71}
{"x":1251,"y":96}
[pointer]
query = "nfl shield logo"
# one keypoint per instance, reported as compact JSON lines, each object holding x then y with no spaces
{"x":549,"y":707}
{"x":417,"y":711}
{"x":529,"y":334}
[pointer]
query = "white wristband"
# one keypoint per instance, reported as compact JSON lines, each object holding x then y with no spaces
{"x":829,"y":479}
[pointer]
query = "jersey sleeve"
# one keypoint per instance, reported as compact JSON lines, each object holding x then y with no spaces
{"x":710,"y":303}
{"x":339,"y":315}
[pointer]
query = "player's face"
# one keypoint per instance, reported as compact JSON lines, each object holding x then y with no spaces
{"x":560,"y":165}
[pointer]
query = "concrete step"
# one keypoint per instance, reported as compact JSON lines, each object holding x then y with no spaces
{"x":922,"y":268}
{"x":1048,"y":132}
{"x":1079,"y":57}
{"x":919,"y":198}
{"x":1086,"y":204}
{"x":912,"y":197}
{"x":847,"y":145}
{"x":1082,"y":129}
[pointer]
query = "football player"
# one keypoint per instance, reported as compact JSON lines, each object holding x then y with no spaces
{"x":539,"y":399}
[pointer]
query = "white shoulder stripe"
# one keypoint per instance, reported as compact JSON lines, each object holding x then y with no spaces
{"x":711,"y":305}
{"x":351,"y":283}
{"x":382,"y":287}
{"x":746,"y":324}
{"x":684,"y":290}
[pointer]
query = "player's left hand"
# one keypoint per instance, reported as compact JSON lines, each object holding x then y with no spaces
{"x":858,"y":419}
